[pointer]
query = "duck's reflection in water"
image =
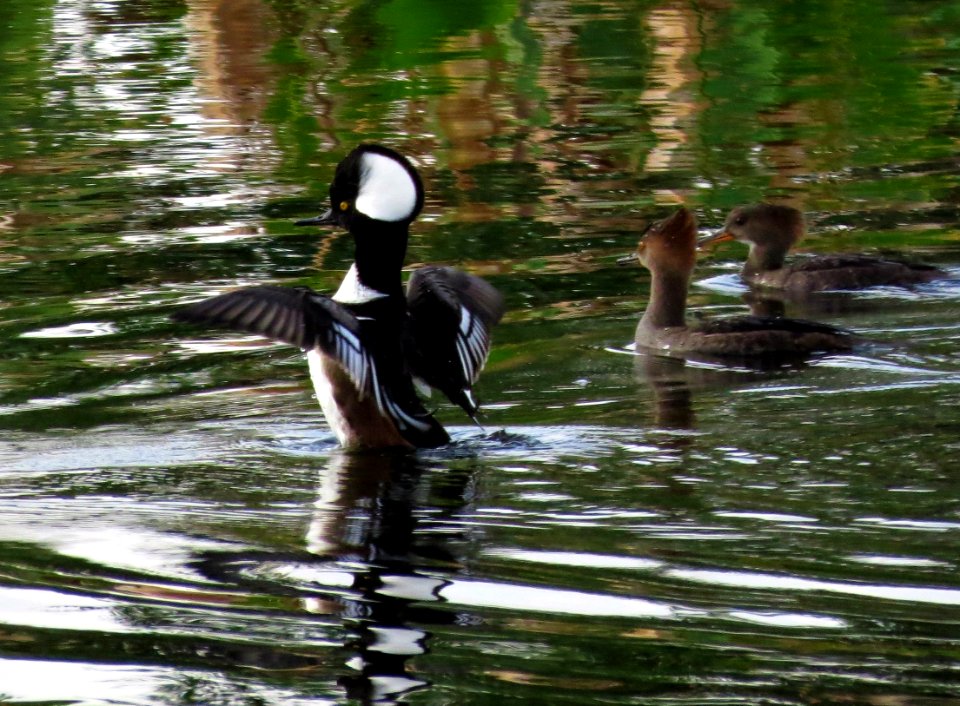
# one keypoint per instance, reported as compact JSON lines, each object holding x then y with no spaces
{"x":762,"y":305}
{"x":675,"y":380}
{"x":372,"y":568}
{"x":668,"y":379}
{"x":366,"y":518}
{"x":818,"y":304}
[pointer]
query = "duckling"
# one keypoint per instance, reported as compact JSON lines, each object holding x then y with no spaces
{"x":771,"y":230}
{"x":668,"y":250}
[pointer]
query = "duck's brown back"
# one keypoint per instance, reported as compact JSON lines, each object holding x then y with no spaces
{"x":837,"y":272}
{"x":746,"y":336}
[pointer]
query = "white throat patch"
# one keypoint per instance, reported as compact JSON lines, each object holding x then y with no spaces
{"x":387,"y":191}
{"x":353,"y":291}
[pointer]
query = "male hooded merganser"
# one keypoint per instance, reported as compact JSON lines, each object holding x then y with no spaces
{"x":369,"y":343}
{"x":771,"y":230}
{"x":668,"y":250}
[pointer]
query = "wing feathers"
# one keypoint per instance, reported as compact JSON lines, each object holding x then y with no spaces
{"x":452,"y":313}
{"x":298,"y":316}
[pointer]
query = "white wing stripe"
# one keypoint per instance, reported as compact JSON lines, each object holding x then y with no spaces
{"x":348,"y":336}
{"x":466,"y":320}
{"x":473,"y":344}
{"x":352,"y":356}
{"x":401,"y":416}
{"x":464,"y":361}
{"x":476,"y":346}
{"x":478,"y":356}
{"x":377,"y":392}
{"x":359,"y":367}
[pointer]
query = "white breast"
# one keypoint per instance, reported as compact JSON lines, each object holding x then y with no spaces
{"x":323,"y":386}
{"x":353,"y":291}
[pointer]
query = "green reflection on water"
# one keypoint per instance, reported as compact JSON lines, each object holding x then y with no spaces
{"x":160,"y":153}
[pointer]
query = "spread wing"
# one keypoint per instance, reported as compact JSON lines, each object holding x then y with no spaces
{"x":451,"y":314}
{"x":303,"y":318}
{"x":295,"y":315}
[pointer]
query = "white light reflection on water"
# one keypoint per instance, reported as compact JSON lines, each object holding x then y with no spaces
{"x":853,"y":362}
{"x":878,"y":560}
{"x":133,"y":389}
{"x":741,"y":579}
{"x":491,"y":594}
{"x":582,"y":559}
{"x":752,"y":580}
{"x":51,"y":681}
{"x":107,"y":450}
{"x":180,"y":295}
{"x":84,"y":51}
{"x":767,"y":516}
{"x":229,"y":343}
{"x":922,"y":525}
{"x":536,"y":599}
{"x":788,"y":620}
{"x":227,"y":232}
{"x":730,"y":284}
{"x":91,"y":535}
{"x":44,"y":608}
{"x":549,"y":599}
{"x":86,"y":329}
{"x":80,"y":683}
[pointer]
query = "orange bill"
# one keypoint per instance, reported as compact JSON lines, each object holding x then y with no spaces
{"x":721,"y":236}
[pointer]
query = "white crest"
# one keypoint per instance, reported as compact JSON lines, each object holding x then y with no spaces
{"x":387,"y":191}
{"x":353,"y":291}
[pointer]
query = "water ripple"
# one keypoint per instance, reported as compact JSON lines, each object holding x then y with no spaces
{"x":759,"y":581}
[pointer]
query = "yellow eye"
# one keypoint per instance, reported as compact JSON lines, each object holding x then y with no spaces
{"x":344,"y":205}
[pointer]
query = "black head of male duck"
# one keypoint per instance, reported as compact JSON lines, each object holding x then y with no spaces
{"x":668,"y":250}
{"x":370,"y":343}
{"x":372,"y":186}
{"x":770,"y":230}
{"x":376,"y":194}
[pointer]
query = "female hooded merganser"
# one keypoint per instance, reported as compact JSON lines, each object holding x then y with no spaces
{"x":771,"y":230}
{"x":369,"y":343}
{"x":668,"y":250}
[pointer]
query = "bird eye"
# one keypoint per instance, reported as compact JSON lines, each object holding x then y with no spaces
{"x":740,"y":220}
{"x":344,"y":205}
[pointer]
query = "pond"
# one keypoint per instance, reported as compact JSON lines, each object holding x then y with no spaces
{"x":178,"y":525}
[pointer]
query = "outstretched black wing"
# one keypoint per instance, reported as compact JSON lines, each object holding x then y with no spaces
{"x":451,"y":315}
{"x":295,"y":315}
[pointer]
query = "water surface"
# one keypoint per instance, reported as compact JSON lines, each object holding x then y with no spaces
{"x":176,"y":523}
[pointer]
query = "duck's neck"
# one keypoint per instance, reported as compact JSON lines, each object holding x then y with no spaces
{"x":668,"y":301}
{"x":763,"y":258}
{"x":379,"y":258}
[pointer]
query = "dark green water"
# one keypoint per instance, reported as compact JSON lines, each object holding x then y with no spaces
{"x":176,"y":523}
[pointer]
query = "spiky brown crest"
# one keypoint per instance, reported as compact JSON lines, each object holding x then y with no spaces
{"x":670,"y":244}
